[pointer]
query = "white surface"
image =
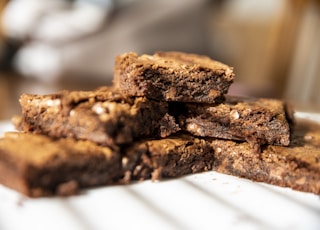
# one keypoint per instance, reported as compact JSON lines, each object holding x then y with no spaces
{"x":201,"y":201}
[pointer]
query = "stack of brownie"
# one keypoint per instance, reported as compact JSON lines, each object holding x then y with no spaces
{"x":165,"y":116}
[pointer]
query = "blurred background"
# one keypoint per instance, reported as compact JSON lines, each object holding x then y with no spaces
{"x":49,"y":45}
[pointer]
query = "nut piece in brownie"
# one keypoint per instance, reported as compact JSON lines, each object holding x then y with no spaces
{"x":258,"y":121}
{"x":173,"y":156}
{"x":296,"y":166}
{"x":173,"y":76}
{"x":36,"y":165}
{"x":103,"y":116}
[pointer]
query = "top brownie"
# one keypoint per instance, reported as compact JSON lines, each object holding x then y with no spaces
{"x":103,"y":116}
{"x":173,"y":76}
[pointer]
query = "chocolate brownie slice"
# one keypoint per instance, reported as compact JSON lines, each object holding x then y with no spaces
{"x":173,"y":156}
{"x":173,"y":76}
{"x":296,"y":166}
{"x":258,"y":121}
{"x":36,"y":165}
{"x":103,"y":116}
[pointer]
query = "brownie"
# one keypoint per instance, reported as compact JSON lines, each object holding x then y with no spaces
{"x":173,"y":156}
{"x":103,"y":116}
{"x":255,"y":120}
{"x":36,"y":165}
{"x":172,"y":76}
{"x":296,"y":166}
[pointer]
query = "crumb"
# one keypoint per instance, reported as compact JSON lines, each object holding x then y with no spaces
{"x":68,"y":188}
{"x":308,"y":137}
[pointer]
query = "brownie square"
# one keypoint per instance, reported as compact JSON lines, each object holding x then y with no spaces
{"x":103,"y":116}
{"x":255,"y":120}
{"x":296,"y":166}
{"x":172,"y":76}
{"x":36,"y":165}
{"x":170,"y":157}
